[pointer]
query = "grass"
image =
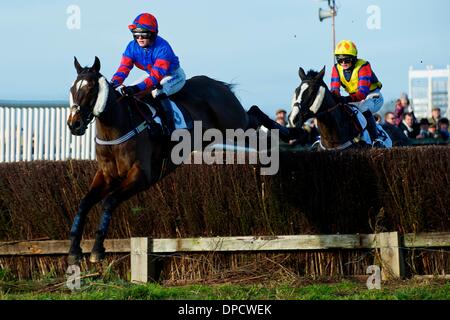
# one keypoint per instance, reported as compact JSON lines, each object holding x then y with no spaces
{"x":121,"y":290}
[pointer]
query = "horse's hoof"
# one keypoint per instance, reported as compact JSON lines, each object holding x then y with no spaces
{"x":97,"y":257}
{"x":74,"y":259}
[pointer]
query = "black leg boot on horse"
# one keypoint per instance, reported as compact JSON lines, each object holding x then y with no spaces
{"x":286,"y":134}
{"x":372,"y":130}
{"x":98,"y":250}
{"x":96,"y":192}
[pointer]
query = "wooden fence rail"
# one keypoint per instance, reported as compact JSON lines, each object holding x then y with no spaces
{"x":389,"y":246}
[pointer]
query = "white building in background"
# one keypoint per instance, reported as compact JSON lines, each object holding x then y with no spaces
{"x":428,"y":89}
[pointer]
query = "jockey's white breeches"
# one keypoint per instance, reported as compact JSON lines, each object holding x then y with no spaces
{"x":171,"y":83}
{"x":373,"y":102}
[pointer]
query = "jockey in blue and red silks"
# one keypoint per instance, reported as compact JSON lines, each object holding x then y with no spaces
{"x":358,"y":79}
{"x":153,"y":54}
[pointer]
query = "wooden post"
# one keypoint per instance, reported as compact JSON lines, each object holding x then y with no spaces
{"x":143,"y":266}
{"x":139,"y":260}
{"x":391,"y":258}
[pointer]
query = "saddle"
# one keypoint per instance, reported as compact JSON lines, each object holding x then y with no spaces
{"x":360,"y":123}
{"x":149,"y":111}
{"x":154,"y":115}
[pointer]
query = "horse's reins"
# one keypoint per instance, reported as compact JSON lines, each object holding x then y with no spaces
{"x":143,"y":115}
{"x":147,"y":123}
{"x":344,"y":145}
{"x":329,"y":110}
{"x":151,"y":122}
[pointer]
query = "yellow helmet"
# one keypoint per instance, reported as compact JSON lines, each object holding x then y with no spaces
{"x":346,"y":47}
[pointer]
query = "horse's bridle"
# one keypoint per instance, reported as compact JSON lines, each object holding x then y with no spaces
{"x":310,"y":101}
{"x":89,"y":116}
{"x":309,"y":114}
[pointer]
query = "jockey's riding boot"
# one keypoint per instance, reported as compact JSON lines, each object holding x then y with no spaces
{"x":286,"y":134}
{"x":372,"y":130}
{"x":168,"y":112}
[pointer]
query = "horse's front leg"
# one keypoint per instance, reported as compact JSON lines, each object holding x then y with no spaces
{"x":97,"y":191}
{"x":131,"y":185}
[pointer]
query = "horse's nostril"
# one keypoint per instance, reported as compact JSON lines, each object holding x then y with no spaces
{"x":76,"y":125}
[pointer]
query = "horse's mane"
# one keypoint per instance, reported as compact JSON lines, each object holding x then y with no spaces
{"x":228,"y":85}
{"x":311,"y":74}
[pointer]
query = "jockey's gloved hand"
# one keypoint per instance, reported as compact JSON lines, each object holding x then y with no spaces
{"x":115,"y":83}
{"x":345,"y":100}
{"x":336,"y":98}
{"x":130,"y":91}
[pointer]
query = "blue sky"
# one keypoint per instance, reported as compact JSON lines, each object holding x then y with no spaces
{"x":256,"y":44}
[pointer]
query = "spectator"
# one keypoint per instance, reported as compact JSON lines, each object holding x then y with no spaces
{"x":432,"y":130}
{"x":398,"y":137}
{"x":424,"y":129}
{"x":280,"y":117}
{"x":442,"y":131}
{"x":402,"y":106}
{"x":409,"y":128}
{"x":435,"y":117}
{"x":389,"y":117}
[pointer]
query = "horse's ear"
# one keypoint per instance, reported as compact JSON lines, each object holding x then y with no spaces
{"x":96,"y":65}
{"x":77,"y":65}
{"x":302,"y":73}
{"x":321,"y":74}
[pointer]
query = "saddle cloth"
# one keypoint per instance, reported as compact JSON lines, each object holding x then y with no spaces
{"x":382,"y":135}
{"x":178,"y":116}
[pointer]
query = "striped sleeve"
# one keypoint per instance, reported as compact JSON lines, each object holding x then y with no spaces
{"x":335,"y":82}
{"x":126,"y":64}
{"x":364,"y":82}
{"x":159,"y":70}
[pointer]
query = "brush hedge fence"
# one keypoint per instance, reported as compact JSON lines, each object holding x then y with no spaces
{"x":403,"y":189}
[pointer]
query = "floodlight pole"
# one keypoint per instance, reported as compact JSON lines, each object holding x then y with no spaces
{"x":332,"y":5}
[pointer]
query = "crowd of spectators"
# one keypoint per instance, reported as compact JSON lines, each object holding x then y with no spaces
{"x":401,"y":124}
{"x":435,"y":127}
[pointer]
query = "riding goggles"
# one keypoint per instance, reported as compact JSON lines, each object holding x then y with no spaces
{"x":344,"y":60}
{"x":143,"y":35}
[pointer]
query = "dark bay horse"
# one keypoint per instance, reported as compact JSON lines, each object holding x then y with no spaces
{"x":126,"y":168}
{"x":337,"y":123}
